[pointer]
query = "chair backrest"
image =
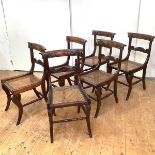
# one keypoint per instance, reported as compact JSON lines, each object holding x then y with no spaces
{"x":61,"y":53}
{"x":38,"y":48}
{"x":132,"y":47}
{"x":111,"y":57}
{"x":97,"y":36}
{"x":71,"y":40}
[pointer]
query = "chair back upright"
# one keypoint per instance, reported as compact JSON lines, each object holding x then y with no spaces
{"x":72,"y":40}
{"x":61,"y":53}
{"x":35,"y":48}
{"x":111,"y":58}
{"x":133,"y":48}
{"x":97,"y":34}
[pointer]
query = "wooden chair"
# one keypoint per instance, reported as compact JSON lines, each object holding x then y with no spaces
{"x":66,"y":96}
{"x":128,"y":67}
{"x":65,"y":71}
{"x":16,"y":85}
{"x":100,"y":80}
{"x":92,"y":60}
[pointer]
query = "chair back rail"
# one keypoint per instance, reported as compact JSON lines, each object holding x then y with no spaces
{"x":110,"y":44}
{"x":141,"y":36}
{"x":40,"y":49}
{"x":98,"y":33}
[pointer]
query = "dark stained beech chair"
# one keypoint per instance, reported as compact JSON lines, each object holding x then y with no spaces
{"x":65,"y":71}
{"x":100,"y":80}
{"x":16,"y":85}
{"x":128,"y":67}
{"x":92,"y":60}
{"x":65,"y":96}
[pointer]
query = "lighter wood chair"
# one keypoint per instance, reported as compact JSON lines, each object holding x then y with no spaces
{"x":65,"y":71}
{"x":16,"y":85}
{"x":128,"y":67}
{"x":100,"y":80}
{"x":92,"y":60}
{"x":65,"y":96}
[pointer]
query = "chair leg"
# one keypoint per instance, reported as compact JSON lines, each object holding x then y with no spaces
{"x":115,"y":91}
{"x":61,"y":82}
{"x":109,"y":70}
{"x":98,"y":92}
{"x":129,"y":78}
{"x":47,"y":81}
{"x":69,"y":81}
{"x":93,"y":89}
{"x":79,"y":107}
{"x":17,"y":101}
{"x":44,"y":91}
{"x":143,"y":78}
{"x":8,"y":97}
{"x":51,"y":125}
{"x":54,"y":113}
{"x":8,"y":103}
{"x":88,"y":108}
{"x":75,"y":80}
{"x":78,"y":110}
{"x":36,"y":92}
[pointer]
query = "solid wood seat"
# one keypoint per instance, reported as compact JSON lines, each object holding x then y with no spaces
{"x":65,"y":71}
{"x":100,"y":80}
{"x":16,"y":85}
{"x":128,"y":67}
{"x":66,"y":96}
{"x":92,"y":60}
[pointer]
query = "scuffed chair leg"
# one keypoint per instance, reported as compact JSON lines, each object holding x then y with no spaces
{"x":98,"y":92}
{"x":17,"y":101}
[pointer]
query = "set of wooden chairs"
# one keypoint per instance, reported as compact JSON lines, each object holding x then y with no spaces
{"x":85,"y":73}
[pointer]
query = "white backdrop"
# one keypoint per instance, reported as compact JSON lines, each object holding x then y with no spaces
{"x":48,"y":22}
{"x":119,"y":16}
{"x":42,"y":21}
{"x":5,"y":57}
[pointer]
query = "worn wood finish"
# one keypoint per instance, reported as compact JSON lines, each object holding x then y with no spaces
{"x":92,"y":60}
{"x":16,"y":85}
{"x":126,"y":128}
{"x":65,"y":71}
{"x":65,"y":96}
{"x":97,"y":78}
{"x":140,"y":36}
{"x":128,"y":67}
